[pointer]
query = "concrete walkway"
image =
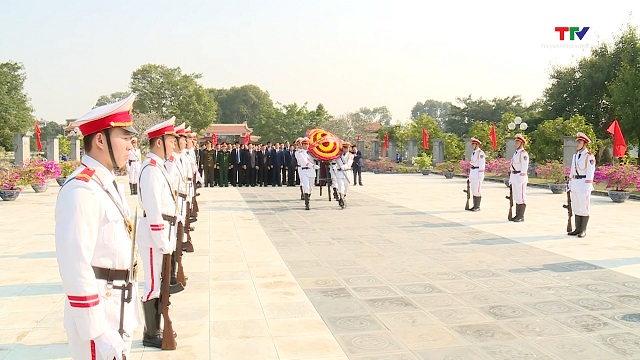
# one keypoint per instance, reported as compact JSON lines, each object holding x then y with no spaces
{"x":402,"y":273}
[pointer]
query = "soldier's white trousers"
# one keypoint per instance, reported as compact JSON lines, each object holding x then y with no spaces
{"x":152,"y":263}
{"x":134,"y":171}
{"x":519,"y":188}
{"x":307,"y":177}
{"x":475,"y":179}
{"x":580,"y":202}
{"x":343,"y":181}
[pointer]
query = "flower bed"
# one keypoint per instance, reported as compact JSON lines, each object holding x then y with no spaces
{"x":618,"y":177}
{"x":554,"y":171}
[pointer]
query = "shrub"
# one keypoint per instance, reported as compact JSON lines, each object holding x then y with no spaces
{"x":67,"y":167}
{"x":554,"y":171}
{"x":423,"y":161}
{"x":620,"y":176}
{"x":37,"y":171}
{"x":448,"y":166}
{"x":499,"y":166}
{"x":12,"y":179}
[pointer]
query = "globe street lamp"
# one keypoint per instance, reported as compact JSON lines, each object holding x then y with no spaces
{"x":517,"y":122}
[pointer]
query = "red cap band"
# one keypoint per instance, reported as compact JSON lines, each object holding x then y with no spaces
{"x":121,"y":119}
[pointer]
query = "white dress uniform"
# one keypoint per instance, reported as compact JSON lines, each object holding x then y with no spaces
{"x":133,"y":165}
{"x":343,"y":165}
{"x":476,"y":173}
{"x":519,"y":176}
{"x":306,"y":170}
{"x":92,"y":237}
{"x":583,"y":167}
{"x":156,"y":233}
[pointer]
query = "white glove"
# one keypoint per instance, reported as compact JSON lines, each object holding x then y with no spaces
{"x":169,"y":247}
{"x":109,"y":345}
{"x":316,"y":167}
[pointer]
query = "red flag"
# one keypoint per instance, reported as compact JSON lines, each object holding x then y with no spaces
{"x":247,"y":139}
{"x":386,"y":141}
{"x":492,"y":136}
{"x":619,"y":146}
{"x":425,"y":139}
{"x":358,"y":137}
{"x":214,"y":139}
{"x":38,"y":132}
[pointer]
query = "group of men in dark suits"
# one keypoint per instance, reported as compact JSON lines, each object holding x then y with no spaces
{"x":248,"y":165}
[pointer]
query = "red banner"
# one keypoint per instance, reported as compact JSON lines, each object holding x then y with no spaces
{"x":386,"y":141}
{"x":214,"y":139}
{"x":247,"y":139}
{"x":425,"y":139}
{"x":619,"y":145}
{"x":38,"y":132}
{"x":492,"y":136}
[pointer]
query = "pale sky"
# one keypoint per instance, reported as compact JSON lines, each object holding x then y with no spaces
{"x":344,"y":54}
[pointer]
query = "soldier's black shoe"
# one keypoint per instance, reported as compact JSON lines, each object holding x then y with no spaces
{"x":306,"y":202}
{"x":578,"y":221}
{"x":152,"y":340}
{"x":476,"y":203}
{"x":583,"y":227}
{"x":193,"y":219}
{"x":520,"y":212}
{"x":335,"y":194}
{"x":152,"y":334}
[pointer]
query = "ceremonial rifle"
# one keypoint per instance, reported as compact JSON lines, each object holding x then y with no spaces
{"x":468,"y":191}
{"x":125,"y":290}
{"x":569,"y":211}
{"x":510,"y":197}
{"x":168,"y":338}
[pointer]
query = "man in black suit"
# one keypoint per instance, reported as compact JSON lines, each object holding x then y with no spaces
{"x":262,"y":158}
{"x":277,"y":163}
{"x":290,"y":165}
{"x":236,"y":163}
{"x":249,"y":163}
{"x":357,"y":164}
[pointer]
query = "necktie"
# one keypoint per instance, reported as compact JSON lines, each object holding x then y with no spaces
{"x":579,"y":154}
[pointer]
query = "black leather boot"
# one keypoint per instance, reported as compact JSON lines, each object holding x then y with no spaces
{"x":583,"y":226}
{"x":131,"y":189}
{"x":302,"y":197}
{"x":152,"y":336}
{"x":520,"y":212}
{"x":476,"y":203}
{"x":306,"y":202}
{"x":335,"y":194}
{"x":576,"y":230}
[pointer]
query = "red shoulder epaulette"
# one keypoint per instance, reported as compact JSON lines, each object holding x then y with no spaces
{"x":171,"y":158}
{"x":589,"y":153}
{"x":86,"y":174}
{"x":152,"y":162}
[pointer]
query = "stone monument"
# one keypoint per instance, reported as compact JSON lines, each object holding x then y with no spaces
{"x":412,"y":151}
{"x":53,"y":149}
{"x":569,"y":150}
{"x":21,"y":148}
{"x":75,"y":148}
{"x":438,"y":151}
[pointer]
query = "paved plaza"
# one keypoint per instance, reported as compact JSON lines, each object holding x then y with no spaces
{"x":402,"y":273}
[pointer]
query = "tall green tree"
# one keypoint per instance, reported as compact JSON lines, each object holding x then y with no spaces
{"x":378,"y":114}
{"x":439,"y":110}
{"x":15,"y":109}
{"x":240,"y":104}
{"x":547,"y":140}
{"x":287,"y":122}
{"x":468,"y":111}
{"x":111,"y":98}
{"x":169,"y":92}
{"x":625,"y":88}
{"x":429,"y":123}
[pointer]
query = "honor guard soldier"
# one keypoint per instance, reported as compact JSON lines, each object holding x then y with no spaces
{"x":343,"y":166}
{"x":157,"y":230}
{"x":307,"y":170}
{"x":519,"y":177}
{"x":93,"y":239}
{"x":583,"y":168}
{"x":133,"y":166}
{"x":476,"y":173}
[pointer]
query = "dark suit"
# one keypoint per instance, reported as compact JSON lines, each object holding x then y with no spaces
{"x":236,"y":171}
{"x":262,"y":161}
{"x":250,"y":162}
{"x":277,"y":161}
{"x":357,"y":167}
{"x":290,"y":164}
